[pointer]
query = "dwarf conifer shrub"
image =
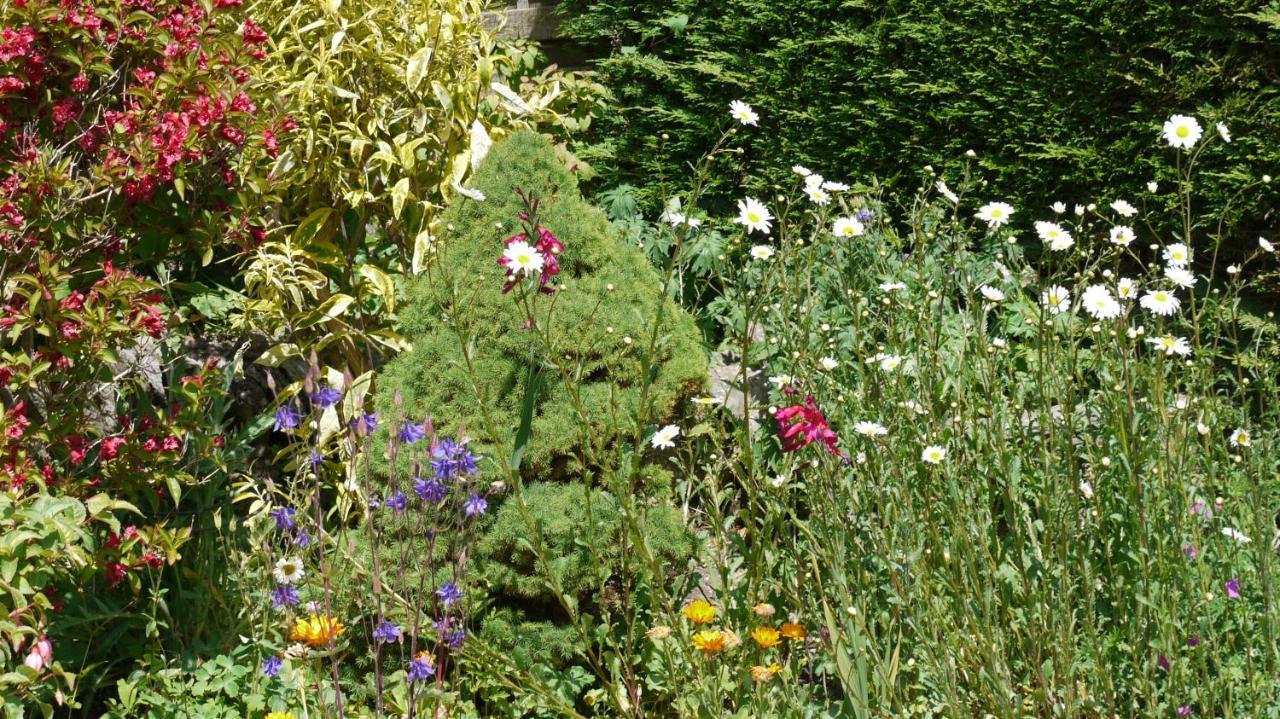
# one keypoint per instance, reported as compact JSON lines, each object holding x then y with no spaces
{"x":600,"y":317}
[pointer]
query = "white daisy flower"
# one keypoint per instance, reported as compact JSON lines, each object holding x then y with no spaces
{"x":835,"y":187}
{"x":1123,"y":208}
{"x":889,"y":363}
{"x":1054,"y":235}
{"x":753,"y":215}
{"x":1236,"y":534}
{"x":1099,"y":303}
{"x":1265,"y":245}
{"x":1056,"y":299}
{"x":892,"y":286}
{"x":665,"y":438}
{"x":947,"y":193}
{"x":847,"y":227}
{"x":999,"y":342}
{"x":991,"y":293}
{"x":468,"y":192}
{"x":523,"y":259}
{"x":1079,"y":210}
{"x":1233,"y":269}
{"x":761,"y":252}
{"x":1160,"y":302}
{"x":1177,"y":254}
{"x":676,"y":219}
{"x":933,"y":454}
{"x":1153,"y":187}
{"x":801,"y":170}
{"x":781,"y":380}
{"x":1171,"y":345}
{"x":1241,"y":438}
{"x":813,"y":179}
{"x":1058,"y":208}
{"x":743,"y":113}
{"x":1180,"y":276}
{"x":1122,"y":235}
{"x":817,"y":195}
{"x":1182,"y":132}
{"x":289,"y":570}
{"x":995,"y":214}
{"x":828,"y":363}
{"x":1126,"y":288}
{"x":870,"y":429}
{"x":1223,"y":131}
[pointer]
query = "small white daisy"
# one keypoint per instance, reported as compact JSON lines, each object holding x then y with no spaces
{"x":743,"y":113}
{"x":523,"y":259}
{"x":289,"y":570}
{"x":946,"y":192}
{"x":870,"y":429}
{"x":1177,"y":254}
{"x":1153,"y":187}
{"x":995,"y":214}
{"x":991,"y":293}
{"x":889,"y":363}
{"x":665,"y":438}
{"x":1123,"y":208}
{"x":1126,"y":288}
{"x":1054,"y":235}
{"x":1266,"y":245}
{"x":1122,"y":235}
{"x":761,"y":252}
{"x":1160,"y":302}
{"x":828,"y":363}
{"x":1236,"y":534}
{"x":753,"y":215}
{"x":801,"y":170}
{"x":1241,"y":438}
{"x":1098,"y":302}
{"x":933,"y":454}
{"x":1223,"y":131}
{"x":676,"y":219}
{"x":847,"y":227}
{"x":892,"y":286}
{"x":817,"y":195}
{"x":1056,"y":299}
{"x":835,"y":187}
{"x":1171,"y":345}
{"x":1182,"y":132}
{"x":1180,"y":276}
{"x":1058,"y":208}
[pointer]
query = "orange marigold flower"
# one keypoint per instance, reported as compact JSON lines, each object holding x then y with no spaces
{"x":700,"y":611}
{"x":763,"y":673}
{"x":316,"y":631}
{"x":766,"y":637}
{"x":709,"y":641}
{"x":791,"y":630}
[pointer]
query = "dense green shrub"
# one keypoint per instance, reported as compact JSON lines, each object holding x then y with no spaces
{"x":601,"y":317}
{"x":1055,"y":97}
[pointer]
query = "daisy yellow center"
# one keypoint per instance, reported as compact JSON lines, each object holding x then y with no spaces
{"x":753,"y":216}
{"x":1162,"y":297}
{"x":997,"y":214}
{"x":524,"y":259}
{"x":1182,"y":131}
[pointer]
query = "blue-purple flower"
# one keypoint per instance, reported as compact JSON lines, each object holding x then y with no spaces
{"x":316,"y":459}
{"x":451,"y":458}
{"x":430,"y":490}
{"x":302,"y":538}
{"x":1233,"y":588}
{"x":449,"y":593}
{"x":271,"y":665}
{"x":421,"y":668}
{"x":411,"y":432}
{"x":386,"y":632}
{"x":286,"y":418}
{"x":397,"y":501}
{"x":326,"y":397}
{"x":365,"y":423}
{"x":456,"y":638}
{"x":283,"y":595}
{"x":474,"y":505}
{"x":284,"y":518}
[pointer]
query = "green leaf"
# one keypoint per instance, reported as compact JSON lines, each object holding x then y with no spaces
{"x":275,"y":356}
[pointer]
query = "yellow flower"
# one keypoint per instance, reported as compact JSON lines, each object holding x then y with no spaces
{"x":279,"y":715}
{"x":700,"y":611}
{"x":766,"y":637}
{"x":316,"y":631}
{"x":709,"y":641}
{"x":659,"y":632}
{"x":791,"y":630}
{"x":764,"y":674}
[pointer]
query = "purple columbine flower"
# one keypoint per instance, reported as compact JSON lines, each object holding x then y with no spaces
{"x":365,"y":424}
{"x":474,"y":505}
{"x":316,"y":459}
{"x":430,"y":490}
{"x":386,"y":632}
{"x":456,"y":638}
{"x":326,"y":397}
{"x":284,"y":518}
{"x":449,"y":593}
{"x":397,"y":501}
{"x":421,"y":669}
{"x":1184,"y":710}
{"x":302,"y":538}
{"x":450,"y":458}
{"x":284,"y":594}
{"x":864,"y":215}
{"x":271,"y":665}
{"x":411,"y":432}
{"x":286,"y":418}
{"x":1233,"y":588}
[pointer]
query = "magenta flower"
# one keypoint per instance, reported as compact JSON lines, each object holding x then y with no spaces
{"x":804,"y":424}
{"x":1233,"y":588}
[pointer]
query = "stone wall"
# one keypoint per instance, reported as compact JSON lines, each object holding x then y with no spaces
{"x":530,"y":19}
